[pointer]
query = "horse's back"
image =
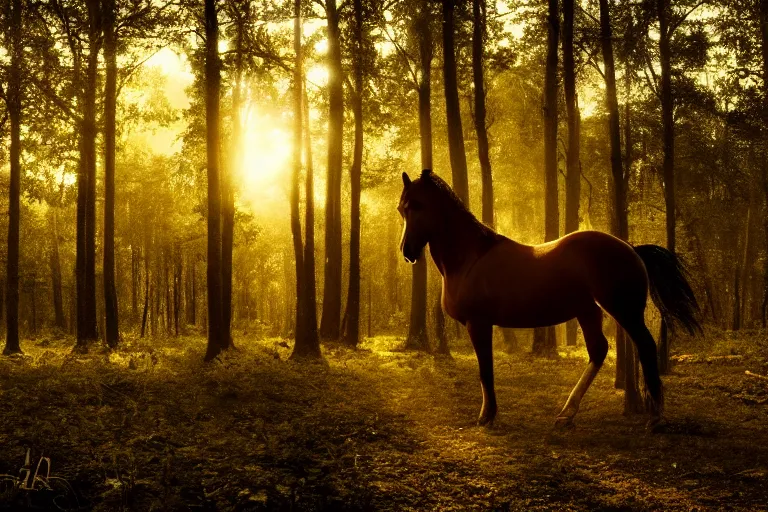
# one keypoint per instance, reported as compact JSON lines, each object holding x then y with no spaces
{"x":531,"y":285}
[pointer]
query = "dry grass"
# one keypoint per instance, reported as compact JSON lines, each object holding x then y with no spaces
{"x":151,"y":427}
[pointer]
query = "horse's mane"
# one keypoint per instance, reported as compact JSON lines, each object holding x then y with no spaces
{"x":453,"y":202}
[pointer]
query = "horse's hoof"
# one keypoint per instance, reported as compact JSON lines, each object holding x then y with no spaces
{"x":564,"y":422}
{"x":485,"y":421}
{"x":655,"y":425}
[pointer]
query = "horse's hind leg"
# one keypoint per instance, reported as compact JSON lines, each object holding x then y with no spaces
{"x":646,"y":351}
{"x":591,"y":322}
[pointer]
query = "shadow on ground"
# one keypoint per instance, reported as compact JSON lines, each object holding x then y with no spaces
{"x":150,"y":427}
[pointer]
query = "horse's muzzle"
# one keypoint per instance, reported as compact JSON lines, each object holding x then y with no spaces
{"x":410,"y":253}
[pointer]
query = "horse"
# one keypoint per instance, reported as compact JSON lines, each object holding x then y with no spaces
{"x":489,"y":279}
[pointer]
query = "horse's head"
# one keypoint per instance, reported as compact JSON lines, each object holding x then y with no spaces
{"x":417,"y":207}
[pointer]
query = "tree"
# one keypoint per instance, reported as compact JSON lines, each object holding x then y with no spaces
{"x":307,"y":343}
{"x":13,"y":101}
{"x":572,"y":162}
{"x":298,"y":245}
{"x":110,"y":127}
{"x":478,"y":36}
{"x":460,"y":181}
{"x":352,"y":315}
{"x":764,"y":118}
{"x":216,"y":342}
{"x":240,"y":13}
{"x":632,"y":401}
{"x":87,"y":325}
{"x":330,"y":320}
{"x":668,"y":141}
{"x":417,"y":327}
{"x":545,"y":340}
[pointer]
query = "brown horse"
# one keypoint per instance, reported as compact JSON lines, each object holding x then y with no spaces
{"x":490,"y":280}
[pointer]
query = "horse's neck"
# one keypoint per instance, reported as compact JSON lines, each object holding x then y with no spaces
{"x":458,"y":245}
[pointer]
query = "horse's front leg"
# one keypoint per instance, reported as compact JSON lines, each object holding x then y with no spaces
{"x":481,"y":335}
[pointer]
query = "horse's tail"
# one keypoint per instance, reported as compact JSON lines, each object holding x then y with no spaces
{"x":669,"y":287}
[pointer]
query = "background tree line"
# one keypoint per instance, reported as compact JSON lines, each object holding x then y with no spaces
{"x":137,"y":202}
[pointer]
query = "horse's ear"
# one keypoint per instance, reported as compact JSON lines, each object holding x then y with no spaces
{"x":406,"y":180}
{"x":426,"y":173}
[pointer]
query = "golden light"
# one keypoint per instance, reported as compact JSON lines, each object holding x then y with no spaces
{"x":266,"y":158}
{"x":321,"y":47}
{"x":317,"y":75}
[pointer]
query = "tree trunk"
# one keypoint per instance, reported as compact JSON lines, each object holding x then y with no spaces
{"x":352,"y":331}
{"x":14,"y":106}
{"x":764,"y":54}
{"x":167,"y":285}
{"x":135,"y":280}
{"x":478,"y":37}
{"x":192,"y":302}
{"x":458,"y":157}
{"x":417,"y":328}
{"x":87,"y":327}
{"x":545,"y":339}
{"x":573,"y":174}
{"x":740,"y":275}
{"x":216,"y":341}
{"x":157,"y":305}
{"x":330,"y":322}
{"x":58,"y":303}
{"x":146,"y":290}
{"x":110,"y":111}
{"x":310,"y":346}
{"x":668,"y":135}
{"x":298,"y":246}
{"x":177,"y":289}
{"x":227,"y":183}
{"x":33,"y":305}
{"x":626,"y":366}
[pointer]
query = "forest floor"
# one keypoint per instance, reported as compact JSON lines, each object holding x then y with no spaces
{"x":151,"y":427}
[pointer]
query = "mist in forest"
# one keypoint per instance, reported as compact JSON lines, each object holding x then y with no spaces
{"x":241,"y":237}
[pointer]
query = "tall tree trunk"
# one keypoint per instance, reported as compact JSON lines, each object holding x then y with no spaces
{"x":177,"y":289}
{"x":545,"y":339}
{"x":330,"y":321}
{"x":146,"y":296}
{"x":668,"y":135}
{"x":310,"y":341}
{"x":87,"y":328}
{"x":478,"y":37}
{"x":135,"y":280}
{"x":741,"y":274}
{"x":167,"y":286}
{"x":14,"y":106}
{"x":573,"y":168}
{"x":58,"y":303}
{"x":352,"y":332}
{"x":631,"y":395}
{"x":110,"y":126}
{"x":227,"y":182}
{"x":192,"y":304}
{"x":298,"y":246}
{"x":310,"y":300}
{"x":216,"y":341}
{"x":460,"y":181}
{"x":764,"y":54}
{"x":417,"y":328}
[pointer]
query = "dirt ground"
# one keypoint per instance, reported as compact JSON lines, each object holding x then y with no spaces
{"x":151,"y":427}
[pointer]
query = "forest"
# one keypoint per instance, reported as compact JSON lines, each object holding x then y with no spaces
{"x":204,"y":296}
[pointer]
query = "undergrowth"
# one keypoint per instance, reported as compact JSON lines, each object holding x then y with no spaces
{"x":151,"y":427}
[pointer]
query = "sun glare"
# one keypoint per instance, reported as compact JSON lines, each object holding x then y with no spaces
{"x":266,"y":158}
{"x":318,"y":75}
